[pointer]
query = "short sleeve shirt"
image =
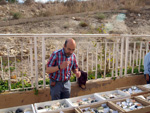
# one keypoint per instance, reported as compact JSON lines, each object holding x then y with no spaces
{"x":56,"y":58}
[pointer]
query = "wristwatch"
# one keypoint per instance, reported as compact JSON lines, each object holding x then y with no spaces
{"x":59,"y":67}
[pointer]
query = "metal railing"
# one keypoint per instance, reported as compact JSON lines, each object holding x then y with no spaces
{"x":23,"y":57}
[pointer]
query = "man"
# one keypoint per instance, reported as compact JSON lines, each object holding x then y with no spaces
{"x":59,"y":68}
{"x":147,"y":67}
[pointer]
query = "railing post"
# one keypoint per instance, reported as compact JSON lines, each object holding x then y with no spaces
{"x":22,"y":77}
{"x":87,"y":57}
{"x":143,"y":57}
{"x":9,"y":80}
{"x":82,"y":61}
{"x":117,"y":50}
{"x":130,"y":57}
{"x":133,"y":57}
{"x":140,"y":56}
{"x":36,"y":62}
{"x":31,"y":61}
{"x":105,"y":59}
{"x":2,"y":74}
{"x":16,"y":67}
{"x":100,"y":46}
{"x":78,"y":53}
{"x":43,"y":60}
{"x":113,"y":59}
{"x":137,"y":55}
{"x":126,"y":55}
{"x":96,"y":60}
{"x":122,"y":54}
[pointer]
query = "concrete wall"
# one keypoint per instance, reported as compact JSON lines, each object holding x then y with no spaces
{"x":28,"y":97}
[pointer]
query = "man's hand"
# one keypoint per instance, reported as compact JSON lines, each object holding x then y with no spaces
{"x":64,"y":64}
{"x":147,"y":77}
{"x":78,"y":74}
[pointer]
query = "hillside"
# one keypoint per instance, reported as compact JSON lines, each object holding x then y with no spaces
{"x":99,"y":21}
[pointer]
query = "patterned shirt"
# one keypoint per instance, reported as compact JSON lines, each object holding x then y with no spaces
{"x":56,"y":59}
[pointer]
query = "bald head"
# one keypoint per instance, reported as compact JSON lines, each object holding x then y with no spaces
{"x":69,"y":46}
{"x":70,"y":41}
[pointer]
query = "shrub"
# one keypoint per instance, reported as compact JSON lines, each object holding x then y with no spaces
{"x":45,"y":14}
{"x":73,"y":78}
{"x":3,"y":86}
{"x":101,"y":29}
{"x":101,"y":16}
{"x":91,"y":75}
{"x":83,"y":24}
{"x":16,"y":15}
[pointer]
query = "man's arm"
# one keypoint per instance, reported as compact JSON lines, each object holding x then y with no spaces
{"x":146,"y":63}
{"x":53,"y":69}
{"x":75,"y":68}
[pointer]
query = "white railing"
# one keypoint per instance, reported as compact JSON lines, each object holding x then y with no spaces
{"x":23,"y":57}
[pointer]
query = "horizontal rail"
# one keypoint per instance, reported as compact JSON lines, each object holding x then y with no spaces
{"x":71,"y":35}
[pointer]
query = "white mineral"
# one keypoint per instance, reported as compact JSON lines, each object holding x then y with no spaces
{"x":132,"y":90}
{"x":102,"y":109}
{"x":130,"y":104}
{"x":148,"y":98}
{"x":147,"y":86}
{"x":145,"y":98}
{"x":111,"y":96}
{"x":84,"y":101}
{"x":54,"y":106}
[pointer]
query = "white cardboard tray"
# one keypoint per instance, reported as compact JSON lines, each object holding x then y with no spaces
{"x":25,"y":108}
{"x":146,"y":86}
{"x":43,"y":104}
{"x":75,"y":99}
{"x":123,"y":95}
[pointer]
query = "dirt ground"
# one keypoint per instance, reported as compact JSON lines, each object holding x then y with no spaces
{"x":133,"y":23}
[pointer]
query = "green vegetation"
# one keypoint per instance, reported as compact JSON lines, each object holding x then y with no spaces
{"x":102,"y":29}
{"x":16,"y":15}
{"x":101,"y":16}
{"x":36,"y":91}
{"x":91,"y":75}
{"x":73,"y":78}
{"x":83,"y":24}
{"x":3,"y":86}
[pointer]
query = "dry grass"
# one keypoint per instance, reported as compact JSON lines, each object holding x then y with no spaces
{"x":133,"y":5}
{"x":73,"y":6}
{"x":78,"y":7}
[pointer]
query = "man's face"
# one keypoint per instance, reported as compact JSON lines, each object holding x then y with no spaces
{"x":69,"y":49}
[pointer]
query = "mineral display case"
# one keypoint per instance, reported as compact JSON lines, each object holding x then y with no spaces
{"x":113,"y":95}
{"x":53,"y":106}
{"x":19,"y":109}
{"x":106,"y":107}
{"x":132,"y":105}
{"x":133,"y":90}
{"x":85,"y":100}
